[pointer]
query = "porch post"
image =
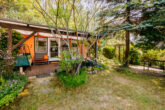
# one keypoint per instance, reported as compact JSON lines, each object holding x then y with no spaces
{"x":96,"y":48}
{"x":119,"y":52}
{"x":9,"y":50}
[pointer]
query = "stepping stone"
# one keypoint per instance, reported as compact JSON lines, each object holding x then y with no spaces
{"x":42,"y":75}
{"x":46,"y":82}
{"x":49,"y":90}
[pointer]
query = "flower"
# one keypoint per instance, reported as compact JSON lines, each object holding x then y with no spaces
{"x":88,"y":58}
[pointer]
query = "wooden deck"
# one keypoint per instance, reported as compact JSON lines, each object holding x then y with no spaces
{"x":42,"y":69}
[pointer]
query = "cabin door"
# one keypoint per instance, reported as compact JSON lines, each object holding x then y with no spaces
{"x":53,"y":49}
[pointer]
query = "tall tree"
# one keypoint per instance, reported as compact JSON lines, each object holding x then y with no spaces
{"x":127,"y":35}
{"x":130,"y":16}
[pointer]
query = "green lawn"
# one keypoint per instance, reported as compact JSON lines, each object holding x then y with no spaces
{"x":108,"y":90}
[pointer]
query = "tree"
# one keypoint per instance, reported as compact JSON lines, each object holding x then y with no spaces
{"x":130,"y":16}
{"x":154,"y":36}
{"x":21,"y":10}
{"x":68,"y":14}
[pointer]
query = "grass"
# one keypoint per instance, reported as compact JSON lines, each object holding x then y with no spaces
{"x":109,"y":90}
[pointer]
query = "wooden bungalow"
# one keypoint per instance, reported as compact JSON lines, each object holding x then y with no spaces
{"x":46,"y":47}
{"x":43,"y":43}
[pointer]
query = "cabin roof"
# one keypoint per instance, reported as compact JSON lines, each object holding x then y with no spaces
{"x":19,"y":25}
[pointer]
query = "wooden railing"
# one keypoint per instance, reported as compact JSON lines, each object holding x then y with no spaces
{"x":157,"y":64}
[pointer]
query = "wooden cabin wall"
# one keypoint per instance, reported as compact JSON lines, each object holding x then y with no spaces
{"x":30,"y":44}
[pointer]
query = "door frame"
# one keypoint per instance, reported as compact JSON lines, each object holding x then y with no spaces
{"x":58,"y":41}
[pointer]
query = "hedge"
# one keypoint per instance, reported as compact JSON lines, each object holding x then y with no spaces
{"x":109,"y":52}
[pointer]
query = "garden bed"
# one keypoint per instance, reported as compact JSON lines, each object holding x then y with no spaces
{"x":12,"y":85}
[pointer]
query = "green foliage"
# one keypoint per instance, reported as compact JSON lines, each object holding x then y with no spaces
{"x":109,"y":52}
{"x":72,"y":81}
{"x":135,"y":56}
{"x":162,"y":66}
{"x":102,"y":66}
{"x":150,"y":55}
{"x":13,"y":86}
{"x":153,"y":36}
{"x":22,"y":10}
{"x":2,"y":81}
{"x":16,"y":38}
{"x":150,"y":25}
{"x":3,"y":47}
{"x":154,"y":55}
{"x":68,"y":63}
{"x":124,"y":70}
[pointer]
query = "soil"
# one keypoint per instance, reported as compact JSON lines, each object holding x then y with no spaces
{"x":42,"y":69}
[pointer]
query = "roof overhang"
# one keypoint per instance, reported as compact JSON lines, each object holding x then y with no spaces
{"x":12,"y":24}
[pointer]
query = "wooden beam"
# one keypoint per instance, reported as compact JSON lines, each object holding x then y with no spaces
{"x":119,"y":52}
{"x":123,"y":53}
{"x":93,"y":46}
{"x":22,"y":41}
{"x":25,"y":27}
{"x":9,"y":52}
{"x":34,"y":27}
{"x":115,"y":51}
{"x":96,"y":48}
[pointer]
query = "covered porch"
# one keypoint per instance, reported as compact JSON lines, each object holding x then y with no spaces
{"x":50,"y":41}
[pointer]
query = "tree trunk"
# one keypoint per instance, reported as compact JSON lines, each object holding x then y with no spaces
{"x":119,"y":53}
{"x":96,"y":49}
{"x":9,"y":51}
{"x":127,"y":35}
{"x":127,"y":48}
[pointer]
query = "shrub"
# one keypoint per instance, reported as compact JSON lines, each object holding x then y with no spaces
{"x":109,"y":52}
{"x":2,"y":81}
{"x":13,"y":86}
{"x":72,"y":81}
{"x":135,"y":56}
{"x":100,"y":66}
{"x":161,"y":55}
{"x":3,"y":47}
{"x":162,"y":66}
{"x":150,"y":55}
{"x":123,"y":70}
{"x":69,"y":64}
{"x":154,"y":55}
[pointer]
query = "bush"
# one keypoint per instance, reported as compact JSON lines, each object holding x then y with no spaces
{"x":109,"y":52}
{"x":161,"y":55}
{"x":72,"y":81}
{"x":14,"y":84}
{"x":68,"y":63}
{"x":135,"y":56}
{"x":3,"y":47}
{"x":154,"y":55}
{"x":100,"y":66}
{"x":150,"y":55}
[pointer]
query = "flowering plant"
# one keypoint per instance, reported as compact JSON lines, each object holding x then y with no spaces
{"x":12,"y":87}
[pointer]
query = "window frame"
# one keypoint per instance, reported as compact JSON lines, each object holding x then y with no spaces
{"x":35,"y":44}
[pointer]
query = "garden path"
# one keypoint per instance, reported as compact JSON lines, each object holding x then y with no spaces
{"x":148,"y":71}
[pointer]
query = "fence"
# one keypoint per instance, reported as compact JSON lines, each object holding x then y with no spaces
{"x":158,"y":64}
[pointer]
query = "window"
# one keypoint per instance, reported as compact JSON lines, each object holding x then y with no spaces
{"x":53,"y":48}
{"x":41,"y":45}
{"x":74,"y":47}
{"x":64,"y":45}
